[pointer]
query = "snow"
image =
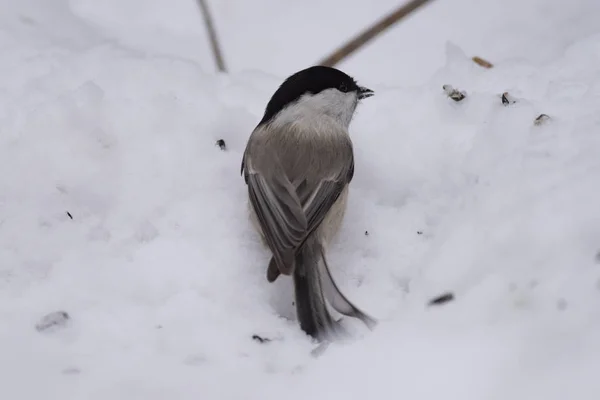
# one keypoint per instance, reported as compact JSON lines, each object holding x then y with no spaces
{"x":110,"y":111}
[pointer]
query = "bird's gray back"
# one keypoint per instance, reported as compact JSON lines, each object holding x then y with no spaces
{"x":306,"y":152}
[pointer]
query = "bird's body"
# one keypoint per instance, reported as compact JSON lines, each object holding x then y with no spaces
{"x":298,"y":151}
{"x":297,"y":164}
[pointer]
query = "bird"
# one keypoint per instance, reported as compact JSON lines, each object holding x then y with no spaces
{"x":297,"y":165}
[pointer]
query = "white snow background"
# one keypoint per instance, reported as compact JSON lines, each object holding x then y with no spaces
{"x":110,"y":111}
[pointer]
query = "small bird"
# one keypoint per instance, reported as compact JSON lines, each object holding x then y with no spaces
{"x":297,"y":165}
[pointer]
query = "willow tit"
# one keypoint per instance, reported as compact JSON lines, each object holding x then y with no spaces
{"x":297,"y":165}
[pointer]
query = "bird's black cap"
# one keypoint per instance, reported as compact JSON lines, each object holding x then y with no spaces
{"x":311,"y":80}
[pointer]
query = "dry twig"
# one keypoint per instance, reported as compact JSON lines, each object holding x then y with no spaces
{"x":212,"y":36}
{"x":368,"y":34}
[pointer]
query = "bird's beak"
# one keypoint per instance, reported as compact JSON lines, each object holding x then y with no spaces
{"x":364,"y":92}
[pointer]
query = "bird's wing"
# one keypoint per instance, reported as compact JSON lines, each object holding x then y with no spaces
{"x":318,"y":198}
{"x":289,"y":212}
{"x":279,"y":214}
{"x":315,"y":209}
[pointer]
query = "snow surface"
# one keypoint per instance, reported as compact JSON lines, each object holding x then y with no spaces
{"x":110,"y":111}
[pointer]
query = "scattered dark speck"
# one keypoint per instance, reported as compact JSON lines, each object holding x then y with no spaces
{"x":158,"y":326}
{"x":443,"y":299}
{"x":453,"y":93}
{"x":507,"y":99}
{"x":366,"y":233}
{"x":260,"y":339}
{"x":69,"y":214}
{"x":221,"y":144}
{"x":57,"y":319}
{"x":541,"y":119}
{"x":419,"y":232}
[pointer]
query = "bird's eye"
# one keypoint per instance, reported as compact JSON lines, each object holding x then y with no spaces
{"x":343,"y":87}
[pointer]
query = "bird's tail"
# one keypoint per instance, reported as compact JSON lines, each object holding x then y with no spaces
{"x":313,"y":285}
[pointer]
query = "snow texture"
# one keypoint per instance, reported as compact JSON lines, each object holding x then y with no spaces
{"x":118,"y":207}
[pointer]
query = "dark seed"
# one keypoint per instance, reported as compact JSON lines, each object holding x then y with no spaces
{"x":507,"y":99}
{"x":57,"y":319}
{"x":260,"y":339}
{"x":69,"y":214}
{"x":454,"y":94}
{"x":221,"y":144}
{"x":443,"y":299}
{"x":541,"y":119}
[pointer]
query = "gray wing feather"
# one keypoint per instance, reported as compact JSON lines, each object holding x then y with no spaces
{"x":289,"y":213}
{"x":316,"y":206}
{"x":321,"y":201}
{"x":337,"y":299}
{"x":280,"y":216}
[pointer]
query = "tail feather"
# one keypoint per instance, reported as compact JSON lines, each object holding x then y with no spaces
{"x":311,"y":309}
{"x":336,"y":298}
{"x":314,"y":287}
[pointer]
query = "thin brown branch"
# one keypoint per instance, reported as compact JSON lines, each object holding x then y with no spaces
{"x":212,"y":35}
{"x":370,"y":33}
